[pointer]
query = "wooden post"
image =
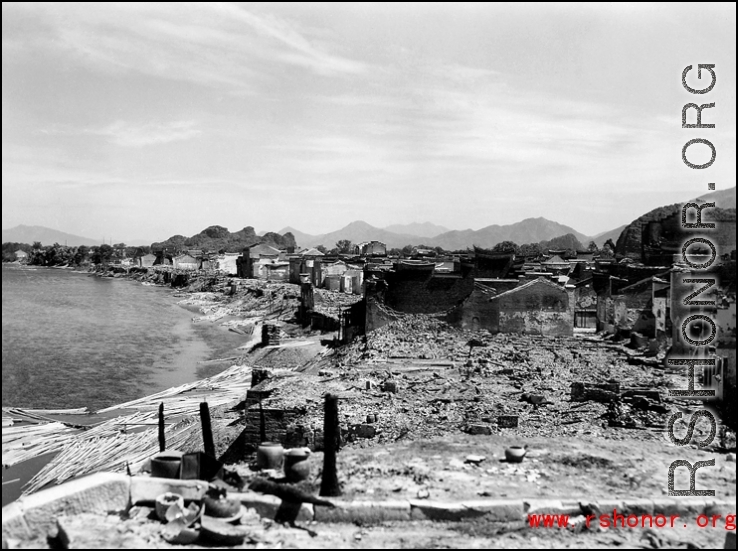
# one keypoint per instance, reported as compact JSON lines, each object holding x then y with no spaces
{"x":331,"y":434}
{"x":162,"y":438}
{"x":207,"y":430}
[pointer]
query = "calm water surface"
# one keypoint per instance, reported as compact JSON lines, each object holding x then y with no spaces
{"x":72,"y":340}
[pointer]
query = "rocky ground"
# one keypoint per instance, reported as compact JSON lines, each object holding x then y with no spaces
{"x":140,"y":532}
{"x":426,"y":412}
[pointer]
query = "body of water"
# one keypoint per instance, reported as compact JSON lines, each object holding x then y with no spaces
{"x":72,"y":340}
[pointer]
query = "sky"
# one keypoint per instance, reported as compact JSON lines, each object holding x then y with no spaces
{"x":141,"y":121}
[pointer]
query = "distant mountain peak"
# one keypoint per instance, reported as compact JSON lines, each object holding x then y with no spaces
{"x":47,"y":236}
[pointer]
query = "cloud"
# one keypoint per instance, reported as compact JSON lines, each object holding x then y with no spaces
{"x":210,"y":44}
{"x":128,"y":134}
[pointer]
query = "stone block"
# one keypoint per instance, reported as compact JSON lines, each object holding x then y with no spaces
{"x":145,"y":489}
{"x":364,"y":430}
{"x":492,"y":510}
{"x":604,"y":506}
{"x":638,"y":507}
{"x":689,"y":505}
{"x":97,"y":493}
{"x":552,"y":507}
{"x":729,"y":540}
{"x":500,"y":510}
{"x":717,"y":507}
{"x":507,"y":421}
{"x":363,"y":512}
{"x":14,"y":524}
{"x":666,"y":506}
{"x":436,"y":510}
{"x":479,"y":429}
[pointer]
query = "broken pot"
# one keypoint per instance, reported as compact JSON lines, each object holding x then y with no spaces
{"x":165,"y":501}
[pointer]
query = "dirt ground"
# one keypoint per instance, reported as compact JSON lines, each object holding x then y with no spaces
{"x":112,"y":532}
{"x":421,"y":408}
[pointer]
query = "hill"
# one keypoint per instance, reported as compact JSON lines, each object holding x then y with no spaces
{"x":424,"y":230}
{"x":356,"y":232}
{"x":530,"y":230}
{"x":629,"y":242}
{"x":219,"y":238}
{"x":601,"y":238}
{"x":723,"y":198}
{"x":47,"y":236}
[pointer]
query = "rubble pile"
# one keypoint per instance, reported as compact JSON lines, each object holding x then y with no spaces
{"x":253,"y":299}
{"x":418,"y":378}
{"x":330,"y":303}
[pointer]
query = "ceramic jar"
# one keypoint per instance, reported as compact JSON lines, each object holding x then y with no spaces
{"x":296,"y":466}
{"x":166,"y":464}
{"x":269,"y":455}
{"x":515,"y":454}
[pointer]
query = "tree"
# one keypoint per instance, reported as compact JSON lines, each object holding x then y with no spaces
{"x":343,"y":246}
{"x":321,"y":248}
{"x":102,"y":254}
{"x":506,"y":247}
{"x":592,"y":247}
{"x":120,"y":250}
{"x":530,"y":250}
{"x":407,"y":250}
{"x":37,"y":246}
{"x":608,"y":250}
{"x":81,"y":254}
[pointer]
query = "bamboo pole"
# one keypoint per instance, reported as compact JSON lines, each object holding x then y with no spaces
{"x":207,"y":430}
{"x":162,"y":438}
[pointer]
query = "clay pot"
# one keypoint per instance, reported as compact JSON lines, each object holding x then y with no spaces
{"x":269,"y":455}
{"x":221,"y":508}
{"x":166,"y":464}
{"x":515,"y":454}
{"x":296,"y":466}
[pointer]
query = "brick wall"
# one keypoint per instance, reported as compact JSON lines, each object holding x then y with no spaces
{"x":421,"y":292}
{"x":280,"y":426}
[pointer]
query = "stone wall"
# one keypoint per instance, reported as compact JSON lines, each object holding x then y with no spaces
{"x":280,"y":426}
{"x":537,"y":308}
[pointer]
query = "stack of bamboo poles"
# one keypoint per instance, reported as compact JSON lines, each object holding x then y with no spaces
{"x":109,"y":453}
{"x":110,"y":445}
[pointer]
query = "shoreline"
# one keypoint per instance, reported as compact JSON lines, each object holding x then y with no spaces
{"x":210,"y":347}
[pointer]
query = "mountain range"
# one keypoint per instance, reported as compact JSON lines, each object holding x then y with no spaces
{"x":47,"y":236}
{"x":530,"y":230}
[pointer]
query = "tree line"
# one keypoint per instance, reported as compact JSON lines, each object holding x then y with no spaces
{"x":64,"y":255}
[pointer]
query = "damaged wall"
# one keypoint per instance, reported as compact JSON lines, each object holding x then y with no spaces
{"x":421,"y":291}
{"x":536,"y":308}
